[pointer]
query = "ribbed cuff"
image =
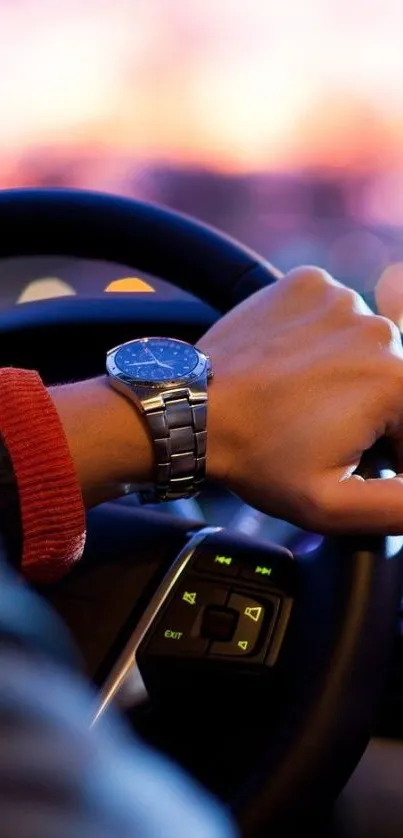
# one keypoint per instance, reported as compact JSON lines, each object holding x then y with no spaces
{"x":52,"y":509}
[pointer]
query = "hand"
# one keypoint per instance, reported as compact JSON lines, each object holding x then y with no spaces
{"x":306,"y":380}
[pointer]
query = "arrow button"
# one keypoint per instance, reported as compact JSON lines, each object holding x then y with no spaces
{"x":253,"y":618}
{"x":254,"y":613}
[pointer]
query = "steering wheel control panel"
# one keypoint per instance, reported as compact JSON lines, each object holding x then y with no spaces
{"x":229,"y":606}
{"x":222,"y":608}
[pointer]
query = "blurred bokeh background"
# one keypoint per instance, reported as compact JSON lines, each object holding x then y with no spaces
{"x":279,"y":121}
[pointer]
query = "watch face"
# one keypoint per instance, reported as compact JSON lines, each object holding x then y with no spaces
{"x":157,"y":359}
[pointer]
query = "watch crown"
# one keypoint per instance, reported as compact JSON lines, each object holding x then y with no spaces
{"x":210,"y":372}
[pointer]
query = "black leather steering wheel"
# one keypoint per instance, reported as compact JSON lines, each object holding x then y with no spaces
{"x":333,"y":664}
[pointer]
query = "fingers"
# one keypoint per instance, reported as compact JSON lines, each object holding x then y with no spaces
{"x":365,"y":506}
{"x":388,"y":290}
{"x":308,"y":278}
{"x":389,"y":294}
{"x":315,"y":283}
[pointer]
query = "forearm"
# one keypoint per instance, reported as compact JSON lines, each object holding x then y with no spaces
{"x":107,"y":437}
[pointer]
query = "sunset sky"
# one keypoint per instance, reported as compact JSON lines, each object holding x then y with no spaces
{"x":232,"y":84}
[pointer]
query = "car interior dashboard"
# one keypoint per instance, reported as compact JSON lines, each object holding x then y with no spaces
{"x":91,"y":319}
{"x":26,"y":280}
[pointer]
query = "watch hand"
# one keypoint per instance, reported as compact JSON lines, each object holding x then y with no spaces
{"x":152,"y":355}
{"x":159,"y":363}
{"x":167,"y":366}
{"x":140,"y":363}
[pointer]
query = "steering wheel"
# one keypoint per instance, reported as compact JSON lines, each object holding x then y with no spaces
{"x":314,"y":720}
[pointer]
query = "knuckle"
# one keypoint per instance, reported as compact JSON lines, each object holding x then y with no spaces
{"x":348,"y":300}
{"x":382,"y":330}
{"x":349,"y":304}
{"x":309,"y":279}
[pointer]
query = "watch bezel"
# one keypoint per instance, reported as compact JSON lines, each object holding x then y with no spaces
{"x":203,"y":366}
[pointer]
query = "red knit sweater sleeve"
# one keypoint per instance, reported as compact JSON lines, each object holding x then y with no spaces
{"x":51,"y":504}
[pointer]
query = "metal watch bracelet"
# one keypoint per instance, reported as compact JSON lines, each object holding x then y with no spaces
{"x":179,"y":438}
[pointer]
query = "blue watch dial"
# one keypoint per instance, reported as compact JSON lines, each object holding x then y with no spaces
{"x":156,"y":359}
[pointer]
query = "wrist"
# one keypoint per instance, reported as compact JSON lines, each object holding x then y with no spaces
{"x":218,"y":422}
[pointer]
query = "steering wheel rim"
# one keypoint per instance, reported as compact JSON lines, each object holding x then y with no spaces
{"x":190,"y":254}
{"x":338,"y":670}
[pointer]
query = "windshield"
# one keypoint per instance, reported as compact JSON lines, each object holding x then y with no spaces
{"x":281,"y":123}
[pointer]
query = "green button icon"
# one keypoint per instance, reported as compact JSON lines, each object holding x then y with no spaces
{"x":190,"y":597}
{"x":223,"y":560}
{"x":173,"y":635}
{"x":263,"y":571}
{"x":254,"y":613}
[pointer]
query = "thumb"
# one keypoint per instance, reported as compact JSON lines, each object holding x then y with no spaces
{"x":372,"y":506}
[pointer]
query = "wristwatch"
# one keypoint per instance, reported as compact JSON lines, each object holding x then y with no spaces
{"x":167,"y":379}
